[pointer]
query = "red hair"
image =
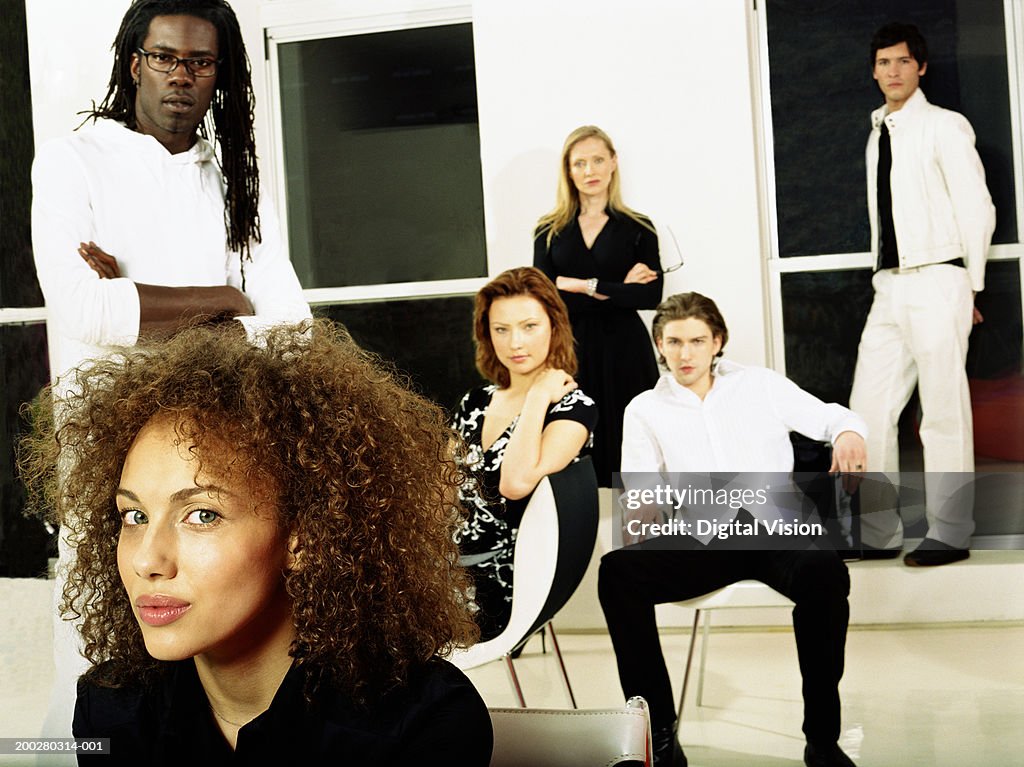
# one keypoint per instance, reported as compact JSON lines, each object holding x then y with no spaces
{"x":522,"y":281}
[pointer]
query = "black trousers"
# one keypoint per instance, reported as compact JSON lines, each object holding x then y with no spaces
{"x":631,"y":582}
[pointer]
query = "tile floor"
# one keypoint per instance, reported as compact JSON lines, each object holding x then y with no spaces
{"x":921,"y":696}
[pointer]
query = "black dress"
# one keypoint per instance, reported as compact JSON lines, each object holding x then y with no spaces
{"x":487,"y":537}
{"x":616,"y":358}
{"x":437,"y":717}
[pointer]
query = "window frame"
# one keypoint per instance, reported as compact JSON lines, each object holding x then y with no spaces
{"x":282,"y":25}
{"x":1013,"y":15}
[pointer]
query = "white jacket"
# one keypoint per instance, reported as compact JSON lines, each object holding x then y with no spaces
{"x":941,"y":207}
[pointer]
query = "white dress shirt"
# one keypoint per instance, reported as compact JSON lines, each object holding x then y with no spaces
{"x":742,"y":425}
{"x":161,"y":216}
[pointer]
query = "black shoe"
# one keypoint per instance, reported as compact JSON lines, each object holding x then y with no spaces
{"x":870,"y":552}
{"x":826,"y":756}
{"x":932,"y":553}
{"x":666,"y":748}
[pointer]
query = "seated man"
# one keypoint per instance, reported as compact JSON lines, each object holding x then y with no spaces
{"x":709,"y":415}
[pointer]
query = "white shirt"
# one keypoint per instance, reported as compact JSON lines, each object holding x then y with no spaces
{"x":941,"y":207}
{"x":161,"y":216}
{"x":741,"y":425}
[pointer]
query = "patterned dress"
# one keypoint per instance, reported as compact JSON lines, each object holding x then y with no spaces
{"x":487,"y":537}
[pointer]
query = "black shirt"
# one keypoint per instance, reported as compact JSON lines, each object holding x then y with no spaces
{"x":437,"y":716}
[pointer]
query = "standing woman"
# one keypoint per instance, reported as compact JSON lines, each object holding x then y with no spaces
{"x":530,"y":421}
{"x":603,"y":257}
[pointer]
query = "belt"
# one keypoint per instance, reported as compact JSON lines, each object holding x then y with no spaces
{"x":911,"y":269}
{"x":469,"y":560}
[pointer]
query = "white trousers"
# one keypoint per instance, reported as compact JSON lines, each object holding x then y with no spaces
{"x":916,"y":333}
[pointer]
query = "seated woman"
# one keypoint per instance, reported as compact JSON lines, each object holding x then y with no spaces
{"x":265,"y":556}
{"x":531,"y":421}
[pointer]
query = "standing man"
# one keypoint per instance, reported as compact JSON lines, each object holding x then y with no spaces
{"x":141,"y":225}
{"x":932,"y":220}
{"x":707,"y":415}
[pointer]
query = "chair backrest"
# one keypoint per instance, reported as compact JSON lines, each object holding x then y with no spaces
{"x":575,"y":495}
{"x":553,"y":549}
{"x":572,"y":737}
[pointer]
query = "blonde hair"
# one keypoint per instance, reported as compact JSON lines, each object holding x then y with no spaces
{"x":567,"y":199}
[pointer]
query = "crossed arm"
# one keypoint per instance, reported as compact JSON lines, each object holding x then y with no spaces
{"x":163,"y":311}
{"x":535,"y":450}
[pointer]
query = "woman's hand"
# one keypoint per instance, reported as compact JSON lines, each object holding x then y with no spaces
{"x":551,"y":385}
{"x":535,"y":450}
{"x":640,"y":274}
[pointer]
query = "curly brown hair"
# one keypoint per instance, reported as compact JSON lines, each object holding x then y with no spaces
{"x":364,"y":479}
{"x":522,"y":281}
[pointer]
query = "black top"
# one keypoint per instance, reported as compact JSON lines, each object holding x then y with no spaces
{"x":888,"y":251}
{"x":620,"y":244}
{"x":437,"y":717}
{"x":615,"y":352}
{"x":492,"y":521}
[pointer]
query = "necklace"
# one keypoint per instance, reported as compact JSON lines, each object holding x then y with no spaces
{"x":224,"y":718}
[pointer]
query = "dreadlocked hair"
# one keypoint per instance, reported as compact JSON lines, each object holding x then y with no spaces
{"x":230,"y":117}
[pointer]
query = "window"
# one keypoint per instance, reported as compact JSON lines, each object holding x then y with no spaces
{"x":24,"y":366}
{"x":382,"y":157}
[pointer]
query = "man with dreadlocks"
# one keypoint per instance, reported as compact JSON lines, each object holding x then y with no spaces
{"x":149,"y":217}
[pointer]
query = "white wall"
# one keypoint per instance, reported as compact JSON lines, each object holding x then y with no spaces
{"x":669,"y":80}
{"x":70,"y":58}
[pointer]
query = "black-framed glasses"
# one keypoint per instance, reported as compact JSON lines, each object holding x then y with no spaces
{"x":165,"y":63}
{"x":679,"y":253}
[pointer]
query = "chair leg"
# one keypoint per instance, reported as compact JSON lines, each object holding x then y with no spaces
{"x":514,"y":679}
{"x":689,"y":662}
{"x":561,"y":664}
{"x":703,"y":657}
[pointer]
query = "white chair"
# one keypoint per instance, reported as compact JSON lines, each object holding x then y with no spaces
{"x":742,"y":594}
{"x":553,"y":549}
{"x":572,"y":737}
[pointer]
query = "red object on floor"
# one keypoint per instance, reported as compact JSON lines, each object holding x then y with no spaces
{"x":998,"y":406}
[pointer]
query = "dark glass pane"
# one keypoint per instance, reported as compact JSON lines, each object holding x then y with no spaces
{"x":823,"y":314}
{"x":24,"y":370}
{"x":18,"y":285}
{"x":382,"y":157}
{"x":996,"y":344}
{"x":429,"y":339}
{"x":823,"y":93}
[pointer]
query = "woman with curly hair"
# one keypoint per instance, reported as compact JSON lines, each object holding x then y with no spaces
{"x":603,"y":256}
{"x":531,"y":421}
{"x":265,"y":556}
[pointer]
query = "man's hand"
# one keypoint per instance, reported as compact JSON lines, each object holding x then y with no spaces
{"x":640,"y":273}
{"x":104,"y":264}
{"x":849,"y":458}
{"x":645,"y":515}
{"x":976,"y":318}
